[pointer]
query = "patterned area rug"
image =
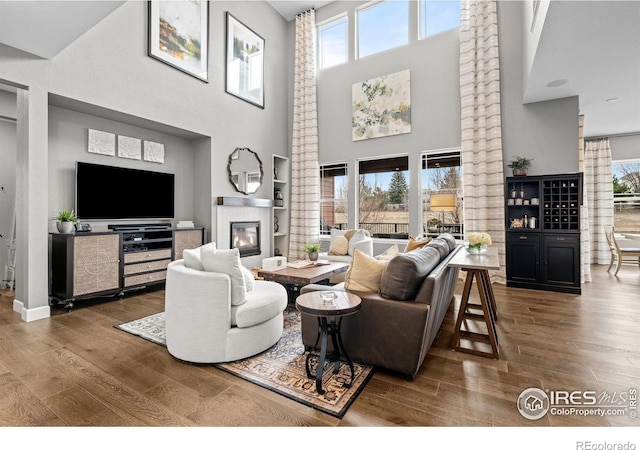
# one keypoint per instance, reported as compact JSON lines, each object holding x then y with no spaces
{"x":281,"y":368}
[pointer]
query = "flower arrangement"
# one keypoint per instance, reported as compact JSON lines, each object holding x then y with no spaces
{"x":478,"y":242}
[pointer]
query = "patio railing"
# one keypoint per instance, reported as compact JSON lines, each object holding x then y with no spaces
{"x":626,"y":200}
{"x":397,"y":230}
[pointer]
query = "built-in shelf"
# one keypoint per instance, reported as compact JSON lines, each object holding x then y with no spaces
{"x":280,"y":182}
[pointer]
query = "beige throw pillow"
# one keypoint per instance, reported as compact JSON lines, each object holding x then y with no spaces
{"x":389,"y":253}
{"x":414,"y":244}
{"x":339,"y":246}
{"x":364,"y":273}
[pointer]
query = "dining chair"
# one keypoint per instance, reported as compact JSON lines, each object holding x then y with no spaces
{"x":618,"y":254}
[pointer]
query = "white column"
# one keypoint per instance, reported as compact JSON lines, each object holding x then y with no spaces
{"x":32,"y":249}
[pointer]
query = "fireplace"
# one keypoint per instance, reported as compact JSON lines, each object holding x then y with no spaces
{"x":245,"y":236}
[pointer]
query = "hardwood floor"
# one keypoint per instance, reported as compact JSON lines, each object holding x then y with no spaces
{"x":76,"y":369}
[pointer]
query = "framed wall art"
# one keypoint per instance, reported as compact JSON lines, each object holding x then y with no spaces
{"x":101,"y":142}
{"x":245,"y":63}
{"x":179,"y":35}
{"x":381,"y":106}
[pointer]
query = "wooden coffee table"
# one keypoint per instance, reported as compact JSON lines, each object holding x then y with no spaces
{"x":294,"y":279}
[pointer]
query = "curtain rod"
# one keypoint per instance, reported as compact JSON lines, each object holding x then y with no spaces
{"x":593,"y":138}
{"x":304,"y":12}
{"x":8,"y":119}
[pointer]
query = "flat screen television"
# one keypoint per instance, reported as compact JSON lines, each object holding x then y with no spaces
{"x":108,"y":193}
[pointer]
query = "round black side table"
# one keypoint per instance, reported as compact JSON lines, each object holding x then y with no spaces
{"x":329,"y":314}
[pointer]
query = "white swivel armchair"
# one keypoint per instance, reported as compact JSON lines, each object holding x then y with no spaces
{"x":202,"y":326}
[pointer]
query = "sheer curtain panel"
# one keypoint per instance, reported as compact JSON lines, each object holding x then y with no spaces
{"x":481,"y":149}
{"x":598,"y":187}
{"x":305,"y":171}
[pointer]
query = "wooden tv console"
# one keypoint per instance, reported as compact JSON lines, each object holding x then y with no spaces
{"x":110,"y":263}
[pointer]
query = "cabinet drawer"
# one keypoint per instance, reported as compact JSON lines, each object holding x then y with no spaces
{"x":562,"y":239}
{"x":146,"y":278}
{"x":514,"y":237}
{"x":147,"y":256}
{"x":146,"y":266}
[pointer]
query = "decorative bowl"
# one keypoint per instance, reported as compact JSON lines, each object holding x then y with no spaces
{"x":475,"y":250}
{"x":328,"y":296}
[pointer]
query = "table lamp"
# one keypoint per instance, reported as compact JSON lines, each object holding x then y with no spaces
{"x":442,"y":203}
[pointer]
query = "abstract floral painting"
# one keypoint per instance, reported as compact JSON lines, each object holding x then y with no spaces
{"x":382,"y":106}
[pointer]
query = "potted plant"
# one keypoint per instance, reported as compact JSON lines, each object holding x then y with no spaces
{"x":312,"y":250}
{"x":66,"y":219}
{"x":520,"y":165}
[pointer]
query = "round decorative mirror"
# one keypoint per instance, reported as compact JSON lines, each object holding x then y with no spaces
{"x":245,"y":170}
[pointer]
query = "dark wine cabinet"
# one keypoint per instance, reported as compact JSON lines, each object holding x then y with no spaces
{"x":543,"y":232}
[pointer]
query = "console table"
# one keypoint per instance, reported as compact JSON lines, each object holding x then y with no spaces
{"x":477,"y":267}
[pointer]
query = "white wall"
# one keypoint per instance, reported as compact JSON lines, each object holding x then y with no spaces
{"x":68,"y":144}
{"x":547,"y":131}
{"x":435,"y":101}
{"x":625,"y":147}
{"x":544,"y":131}
{"x":109,"y":67}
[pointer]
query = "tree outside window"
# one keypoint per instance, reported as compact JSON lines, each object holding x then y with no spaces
{"x":382,"y":197}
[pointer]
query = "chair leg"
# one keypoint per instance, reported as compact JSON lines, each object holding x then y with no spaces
{"x":618,"y":264}
{"x":610,"y":263}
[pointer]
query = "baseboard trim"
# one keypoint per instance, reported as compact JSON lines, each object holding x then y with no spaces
{"x":29,"y":315}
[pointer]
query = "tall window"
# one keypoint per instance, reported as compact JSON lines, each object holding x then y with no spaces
{"x":626,"y":195}
{"x":438,"y":16}
{"x":333,"y":197}
{"x":332,"y":42}
{"x":442,"y":198}
{"x":383,"y":206}
{"x":381,"y":26}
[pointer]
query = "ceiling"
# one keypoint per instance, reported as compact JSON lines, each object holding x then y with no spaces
{"x":594,"y":45}
{"x":45,"y":28}
{"x":290,"y":8}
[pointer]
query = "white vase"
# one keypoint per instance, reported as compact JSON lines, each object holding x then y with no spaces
{"x":65,"y":227}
